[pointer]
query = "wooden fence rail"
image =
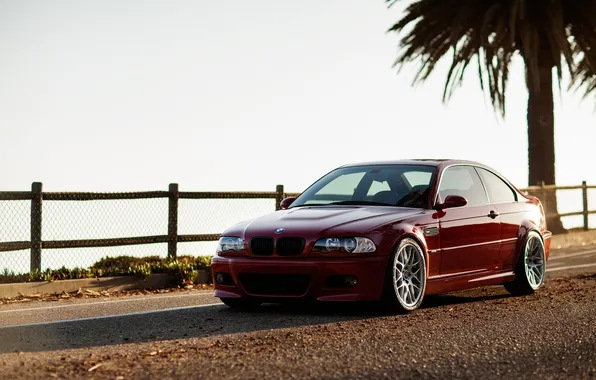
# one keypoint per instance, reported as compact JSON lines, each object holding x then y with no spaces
{"x":37,"y":197}
{"x":541,"y":191}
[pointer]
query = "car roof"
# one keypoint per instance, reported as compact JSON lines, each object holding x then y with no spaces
{"x":439,"y":162}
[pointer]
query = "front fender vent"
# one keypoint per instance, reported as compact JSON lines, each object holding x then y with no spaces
{"x":431,"y":231}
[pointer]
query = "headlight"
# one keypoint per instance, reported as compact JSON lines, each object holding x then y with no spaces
{"x":229,"y":243}
{"x":349,"y":245}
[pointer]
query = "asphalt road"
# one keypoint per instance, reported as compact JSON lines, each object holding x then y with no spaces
{"x":477,"y":333}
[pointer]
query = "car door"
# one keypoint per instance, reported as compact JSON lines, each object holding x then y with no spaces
{"x":504,"y":200}
{"x":469,"y":235}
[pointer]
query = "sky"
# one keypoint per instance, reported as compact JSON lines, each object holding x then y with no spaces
{"x":131,"y":95}
{"x":125,"y":95}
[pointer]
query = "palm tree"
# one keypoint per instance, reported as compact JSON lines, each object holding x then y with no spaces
{"x":546,"y":34}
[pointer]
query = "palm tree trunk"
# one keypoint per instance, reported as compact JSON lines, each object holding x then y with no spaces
{"x":541,"y":137}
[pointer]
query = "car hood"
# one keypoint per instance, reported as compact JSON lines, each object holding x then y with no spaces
{"x":308,"y":220}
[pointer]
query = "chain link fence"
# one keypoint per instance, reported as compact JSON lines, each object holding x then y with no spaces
{"x":15,"y":226}
{"x":78,"y":229}
{"x":101,"y":219}
{"x":209,"y":216}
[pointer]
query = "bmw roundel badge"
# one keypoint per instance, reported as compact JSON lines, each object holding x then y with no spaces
{"x":280,"y":230}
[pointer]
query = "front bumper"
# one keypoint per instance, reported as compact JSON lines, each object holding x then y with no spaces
{"x":315,"y":279}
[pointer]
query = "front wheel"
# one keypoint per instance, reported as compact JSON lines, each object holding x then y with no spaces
{"x":531,"y":267}
{"x":405,"y":280}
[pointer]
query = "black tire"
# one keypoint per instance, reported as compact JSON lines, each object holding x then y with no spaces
{"x":527,"y":283}
{"x":241,"y":303}
{"x":394,"y":300}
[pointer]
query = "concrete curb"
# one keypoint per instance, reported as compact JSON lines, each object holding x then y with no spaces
{"x":117,"y":283}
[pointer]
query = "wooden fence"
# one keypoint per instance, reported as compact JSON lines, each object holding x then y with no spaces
{"x":540,"y":192}
{"x":37,"y":197}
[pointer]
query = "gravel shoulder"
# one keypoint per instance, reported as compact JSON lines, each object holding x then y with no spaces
{"x":471,"y":334}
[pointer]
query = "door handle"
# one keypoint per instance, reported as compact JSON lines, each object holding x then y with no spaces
{"x":492,"y":214}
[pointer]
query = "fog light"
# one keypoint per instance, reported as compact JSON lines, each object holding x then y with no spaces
{"x":340,"y":282}
{"x":222,"y":278}
{"x":350,"y":281}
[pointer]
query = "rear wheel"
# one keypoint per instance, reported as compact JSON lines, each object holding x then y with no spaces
{"x":241,"y":303}
{"x":405,"y":280}
{"x":531,"y":267}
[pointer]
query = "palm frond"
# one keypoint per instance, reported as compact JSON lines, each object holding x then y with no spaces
{"x":547,"y":33}
{"x":585,"y":75}
{"x":584,"y":48}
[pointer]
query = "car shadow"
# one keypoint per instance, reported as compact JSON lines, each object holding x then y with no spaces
{"x":451,"y":299}
{"x":196,"y":322}
{"x":193,"y":322}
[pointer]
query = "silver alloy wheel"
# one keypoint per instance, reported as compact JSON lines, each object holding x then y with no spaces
{"x":534,"y":261}
{"x":408,"y":274}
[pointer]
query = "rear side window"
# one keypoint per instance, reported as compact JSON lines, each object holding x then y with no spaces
{"x":463,"y":181}
{"x":498,"y":191}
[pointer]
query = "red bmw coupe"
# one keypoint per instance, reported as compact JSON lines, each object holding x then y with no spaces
{"x":391,"y":232}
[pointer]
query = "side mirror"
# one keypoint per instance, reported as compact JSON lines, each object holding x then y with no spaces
{"x":287,"y":202}
{"x":452,"y":201}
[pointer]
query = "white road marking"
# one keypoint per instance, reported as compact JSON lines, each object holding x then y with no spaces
{"x":108,"y":302}
{"x":111,"y":316}
{"x":571,"y":267}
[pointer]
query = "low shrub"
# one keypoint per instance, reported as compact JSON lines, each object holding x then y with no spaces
{"x":184,"y":268}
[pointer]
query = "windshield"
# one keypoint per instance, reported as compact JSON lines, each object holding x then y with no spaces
{"x":384,"y":185}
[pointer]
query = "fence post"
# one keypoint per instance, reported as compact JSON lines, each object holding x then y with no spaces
{"x":585,"y":204}
{"x":279,"y":196}
{"x":35,"y":259}
{"x":173,"y":221}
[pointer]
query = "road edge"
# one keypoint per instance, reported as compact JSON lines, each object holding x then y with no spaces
{"x":110,"y":284}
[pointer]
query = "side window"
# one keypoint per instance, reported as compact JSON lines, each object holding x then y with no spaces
{"x":463,"y":181}
{"x":498,"y":191}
